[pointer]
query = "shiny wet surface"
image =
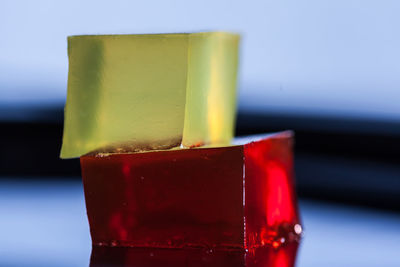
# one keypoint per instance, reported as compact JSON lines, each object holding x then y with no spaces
{"x":43,"y":223}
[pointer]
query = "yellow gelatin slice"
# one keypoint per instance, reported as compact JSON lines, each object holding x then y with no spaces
{"x":130,"y":93}
{"x":211,"y":89}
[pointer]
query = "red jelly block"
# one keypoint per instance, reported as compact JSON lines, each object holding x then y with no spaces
{"x":239,"y":196}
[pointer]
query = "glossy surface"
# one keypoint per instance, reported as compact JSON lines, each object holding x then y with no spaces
{"x":227,"y":197}
{"x":148,"y":92}
{"x":270,"y":200}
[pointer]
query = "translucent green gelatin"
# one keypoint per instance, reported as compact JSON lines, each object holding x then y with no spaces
{"x":149,"y":92}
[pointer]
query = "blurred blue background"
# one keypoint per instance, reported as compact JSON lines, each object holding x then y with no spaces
{"x":331,"y":57}
{"x":330,"y":70}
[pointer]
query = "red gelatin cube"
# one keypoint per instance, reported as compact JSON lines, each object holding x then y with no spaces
{"x":239,"y":196}
{"x":270,"y":200}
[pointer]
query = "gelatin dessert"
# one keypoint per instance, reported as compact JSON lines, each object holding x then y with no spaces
{"x":149,"y":91}
{"x":234,"y":197}
{"x":152,"y":119}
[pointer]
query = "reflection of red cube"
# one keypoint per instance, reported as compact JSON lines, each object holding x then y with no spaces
{"x":194,"y":197}
{"x":284,"y":256}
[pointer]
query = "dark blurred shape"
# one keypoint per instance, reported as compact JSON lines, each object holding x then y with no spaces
{"x":32,"y":149}
{"x":145,"y":257}
{"x":30,"y":141}
{"x":341,"y":159}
